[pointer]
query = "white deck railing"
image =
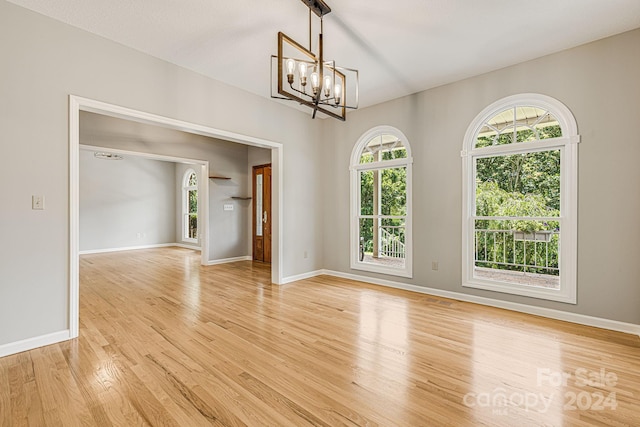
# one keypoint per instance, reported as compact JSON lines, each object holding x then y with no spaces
{"x":515,"y":250}
{"x":390,"y":244}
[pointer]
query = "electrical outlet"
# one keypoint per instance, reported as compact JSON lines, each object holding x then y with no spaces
{"x":37,"y":203}
{"x":434,"y":265}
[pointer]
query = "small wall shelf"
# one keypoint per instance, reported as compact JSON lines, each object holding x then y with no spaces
{"x":219,"y":177}
{"x":241,"y":198}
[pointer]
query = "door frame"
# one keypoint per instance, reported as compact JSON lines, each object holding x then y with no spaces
{"x":77,"y":104}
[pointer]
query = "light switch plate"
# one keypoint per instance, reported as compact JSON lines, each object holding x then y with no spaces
{"x":228,"y":207}
{"x":37,"y":203}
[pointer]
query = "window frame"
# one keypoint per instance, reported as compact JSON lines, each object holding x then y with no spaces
{"x":186,"y":189}
{"x":355,"y":198}
{"x":568,"y":146}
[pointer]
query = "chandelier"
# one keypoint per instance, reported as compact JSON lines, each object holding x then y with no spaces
{"x":307,"y":78}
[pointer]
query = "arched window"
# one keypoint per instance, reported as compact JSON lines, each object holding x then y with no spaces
{"x":190,"y":207}
{"x":381,"y":203}
{"x":520,"y":199}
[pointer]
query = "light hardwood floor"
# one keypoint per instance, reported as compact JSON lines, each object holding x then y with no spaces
{"x":165,"y":341}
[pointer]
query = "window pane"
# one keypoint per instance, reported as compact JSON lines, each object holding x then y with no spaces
{"x":525,"y":134}
{"x":485,"y":137}
{"x":394,"y":191}
{"x":193,"y":180}
{"x":381,"y":241}
{"x":548,"y":127}
{"x":392,"y":238}
{"x":193,"y":201}
{"x":518,"y":251}
{"x":519,"y":124}
{"x":519,"y":185}
{"x":502,"y":119}
{"x":365,"y":237}
{"x":366,"y":192}
{"x":381,"y":148}
{"x":193,"y":226}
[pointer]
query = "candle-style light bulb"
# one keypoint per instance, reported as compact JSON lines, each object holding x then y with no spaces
{"x":327,"y":86}
{"x":291,"y":65}
{"x":337,"y":93}
{"x":315,"y":82}
{"x":302,"y":69}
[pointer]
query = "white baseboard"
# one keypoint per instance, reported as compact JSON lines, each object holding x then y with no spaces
{"x":598,"y":322}
{"x":128,"y":248}
{"x":227,"y":260}
{"x":31,"y":343}
{"x":187,"y":246}
{"x":303,"y":276}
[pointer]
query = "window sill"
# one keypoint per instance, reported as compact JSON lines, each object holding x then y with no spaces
{"x":560,"y":295}
{"x":391,"y":271}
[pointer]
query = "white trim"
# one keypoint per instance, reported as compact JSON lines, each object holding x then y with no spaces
{"x":128,"y":248}
{"x":387,"y":164}
{"x":112,"y":110}
{"x":143,"y":155}
{"x":228,"y":260}
{"x":371,"y":133}
{"x":381,"y":269}
{"x":35,"y":342}
{"x":354,"y":170}
{"x":277,"y":215}
{"x":74,"y":216}
{"x":522,"y":147}
{"x":203,"y":212}
{"x":581,"y":319}
{"x":568,"y":146}
{"x":185,"y":246}
{"x":303,"y":276}
{"x":77,"y":104}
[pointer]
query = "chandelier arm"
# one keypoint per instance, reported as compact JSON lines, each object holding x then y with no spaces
{"x":300,"y":91}
{"x":330,"y":101}
{"x":326,"y":101}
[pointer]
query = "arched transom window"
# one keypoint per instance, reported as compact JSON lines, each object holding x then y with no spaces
{"x":520,"y":191}
{"x":381,"y":203}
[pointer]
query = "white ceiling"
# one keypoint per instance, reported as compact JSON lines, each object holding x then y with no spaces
{"x":400,"y":47}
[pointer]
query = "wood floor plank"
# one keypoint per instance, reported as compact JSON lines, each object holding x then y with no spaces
{"x":166,"y":341}
{"x":5,"y":391}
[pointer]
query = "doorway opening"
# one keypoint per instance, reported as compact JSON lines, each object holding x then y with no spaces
{"x":78,"y":104}
{"x":132,"y":203}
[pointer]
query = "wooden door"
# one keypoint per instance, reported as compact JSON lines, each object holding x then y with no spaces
{"x":262,"y":213}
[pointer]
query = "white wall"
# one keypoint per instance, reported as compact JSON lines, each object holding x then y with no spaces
{"x":126,"y":203}
{"x":600,"y":85}
{"x":43,"y":62}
